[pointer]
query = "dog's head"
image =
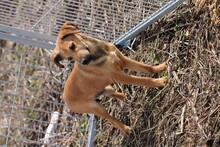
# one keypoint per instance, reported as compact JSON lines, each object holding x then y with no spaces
{"x":70,"y":45}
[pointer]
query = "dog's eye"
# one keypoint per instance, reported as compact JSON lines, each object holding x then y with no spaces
{"x":72,"y":46}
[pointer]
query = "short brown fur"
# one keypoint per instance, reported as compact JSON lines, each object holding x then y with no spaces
{"x":97,"y":65}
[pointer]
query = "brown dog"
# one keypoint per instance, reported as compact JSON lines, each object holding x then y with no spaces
{"x":97,"y":65}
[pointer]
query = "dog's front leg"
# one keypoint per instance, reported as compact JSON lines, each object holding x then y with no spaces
{"x":123,"y":78}
{"x":109,"y":91}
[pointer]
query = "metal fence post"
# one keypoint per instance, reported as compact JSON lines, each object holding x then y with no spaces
{"x":91,"y":133}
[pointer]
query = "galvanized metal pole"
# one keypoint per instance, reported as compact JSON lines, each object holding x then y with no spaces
{"x":91,"y":133}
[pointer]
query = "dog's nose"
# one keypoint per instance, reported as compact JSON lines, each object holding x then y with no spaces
{"x":86,"y":60}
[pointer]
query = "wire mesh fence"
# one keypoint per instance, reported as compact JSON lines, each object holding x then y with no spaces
{"x":106,"y":20}
{"x":30,"y":84}
{"x":30,"y":93}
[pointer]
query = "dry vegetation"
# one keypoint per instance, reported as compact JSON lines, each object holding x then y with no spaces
{"x":187,"y":111}
{"x":184,"y":113}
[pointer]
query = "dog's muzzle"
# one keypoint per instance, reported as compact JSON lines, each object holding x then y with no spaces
{"x":86,"y":60}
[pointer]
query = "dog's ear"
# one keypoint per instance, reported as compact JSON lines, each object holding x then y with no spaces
{"x":70,"y":24}
{"x":68,"y":29}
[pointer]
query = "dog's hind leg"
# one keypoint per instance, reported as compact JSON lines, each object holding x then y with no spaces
{"x":138,"y":66}
{"x":142,"y":67}
{"x":91,"y":106}
{"x":109,"y":91}
{"x":123,"y":78}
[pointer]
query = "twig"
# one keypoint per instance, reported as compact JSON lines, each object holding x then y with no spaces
{"x":176,"y":77}
{"x":182,"y":120}
{"x":197,"y":121}
{"x":149,"y":129}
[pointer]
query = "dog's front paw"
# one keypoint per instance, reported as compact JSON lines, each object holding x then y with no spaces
{"x":119,"y":96}
{"x":122,"y":97}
